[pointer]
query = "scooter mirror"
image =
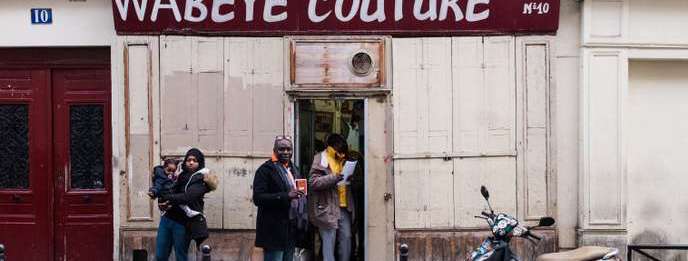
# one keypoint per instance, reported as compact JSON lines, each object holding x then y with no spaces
{"x":546,"y":222}
{"x":485,"y":193}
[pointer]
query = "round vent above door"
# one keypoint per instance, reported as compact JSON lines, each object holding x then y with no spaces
{"x":361,"y":63}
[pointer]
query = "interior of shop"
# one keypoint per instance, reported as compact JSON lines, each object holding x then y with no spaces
{"x":316,"y":119}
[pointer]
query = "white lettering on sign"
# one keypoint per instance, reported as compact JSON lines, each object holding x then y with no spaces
{"x":378,"y":15}
{"x":444,"y":9}
{"x":172,"y":6}
{"x":197,"y":11}
{"x":539,"y":7}
{"x":267,"y":11}
{"x":431,"y":13}
{"x":220,"y":18}
{"x":41,"y":16}
{"x":339,"y":10}
{"x":471,"y":16}
{"x":198,"y":5}
{"x":123,"y":7}
{"x":398,"y":10}
{"x":249,"y":10}
{"x":312,"y":15}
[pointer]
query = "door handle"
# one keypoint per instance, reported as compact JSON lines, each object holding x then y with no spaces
{"x":16,"y":198}
{"x":87,"y":198}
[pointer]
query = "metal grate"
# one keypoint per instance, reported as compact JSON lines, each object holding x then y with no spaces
{"x":640,"y":247}
{"x":14,"y":146}
{"x":362,"y":64}
{"x":87,"y":164}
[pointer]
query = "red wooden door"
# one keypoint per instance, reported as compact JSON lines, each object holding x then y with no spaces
{"x":25,"y":164}
{"x":83,"y":171}
{"x":55,"y":154}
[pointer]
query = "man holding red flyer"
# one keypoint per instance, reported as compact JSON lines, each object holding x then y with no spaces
{"x":281,"y":199}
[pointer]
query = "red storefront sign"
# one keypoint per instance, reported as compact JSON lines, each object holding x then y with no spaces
{"x":283,"y":17}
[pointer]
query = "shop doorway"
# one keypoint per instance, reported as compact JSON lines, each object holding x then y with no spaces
{"x":55,"y":151}
{"x":315,"y":120}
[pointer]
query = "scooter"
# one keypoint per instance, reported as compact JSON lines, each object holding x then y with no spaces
{"x":504,"y":227}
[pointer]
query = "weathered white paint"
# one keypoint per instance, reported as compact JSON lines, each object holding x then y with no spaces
{"x":214,"y":201}
{"x":483,"y":96}
{"x":657,"y":139}
{"x":615,"y":148}
{"x":565,"y":68}
{"x":135,"y":57}
{"x":191,"y":92}
{"x":87,"y":23}
{"x":423,"y":194}
{"x":472,"y":113}
{"x":118,"y":144}
{"x":238,"y":129}
{"x":309,"y":57}
{"x":603,"y":171}
{"x":207,"y":66}
{"x":607,"y":15}
{"x":496,"y":97}
{"x":245,"y":77}
{"x":536,"y":188}
{"x":498,"y":174}
{"x":536,"y":131}
{"x":254,"y":73}
{"x":122,"y":169}
{"x":238,"y":210}
{"x":422,"y":94}
{"x":379,"y":220}
{"x":176,"y":118}
{"x":140,"y":145}
{"x":422,"y":109}
{"x":646,"y":16}
{"x":468,"y":81}
{"x":635,"y":22}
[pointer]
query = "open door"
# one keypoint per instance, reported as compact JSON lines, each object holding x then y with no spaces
{"x":317,"y":118}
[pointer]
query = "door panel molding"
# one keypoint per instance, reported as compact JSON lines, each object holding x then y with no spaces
{"x":28,"y":217}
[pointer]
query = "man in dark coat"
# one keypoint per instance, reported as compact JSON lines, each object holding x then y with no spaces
{"x":281,"y":206}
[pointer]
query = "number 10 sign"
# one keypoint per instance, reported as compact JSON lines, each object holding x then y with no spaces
{"x":41,"y":16}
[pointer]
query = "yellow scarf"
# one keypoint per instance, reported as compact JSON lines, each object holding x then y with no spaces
{"x":335,"y":165}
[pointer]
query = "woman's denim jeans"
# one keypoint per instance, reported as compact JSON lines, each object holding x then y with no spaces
{"x":170,"y":234}
{"x":278,"y":255}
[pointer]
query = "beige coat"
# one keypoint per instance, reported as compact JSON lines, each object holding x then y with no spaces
{"x":323,"y":201}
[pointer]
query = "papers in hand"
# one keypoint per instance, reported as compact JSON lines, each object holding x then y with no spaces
{"x":348,"y":170}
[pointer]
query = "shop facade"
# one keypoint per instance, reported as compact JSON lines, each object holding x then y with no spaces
{"x":443,"y":110}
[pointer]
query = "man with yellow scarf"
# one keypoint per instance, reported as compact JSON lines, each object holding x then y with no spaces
{"x":330,"y":203}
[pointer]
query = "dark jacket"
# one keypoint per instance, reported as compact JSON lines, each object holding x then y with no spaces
{"x":162,"y":184}
{"x":192,"y":196}
{"x":274,"y":231}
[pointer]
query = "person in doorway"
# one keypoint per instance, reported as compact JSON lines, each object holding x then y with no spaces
{"x":330,"y":204}
{"x":282,"y":216}
{"x":358,"y":192}
{"x":353,"y":134}
{"x":180,"y":224}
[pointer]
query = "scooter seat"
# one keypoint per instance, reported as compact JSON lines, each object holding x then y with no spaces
{"x":585,"y":253}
